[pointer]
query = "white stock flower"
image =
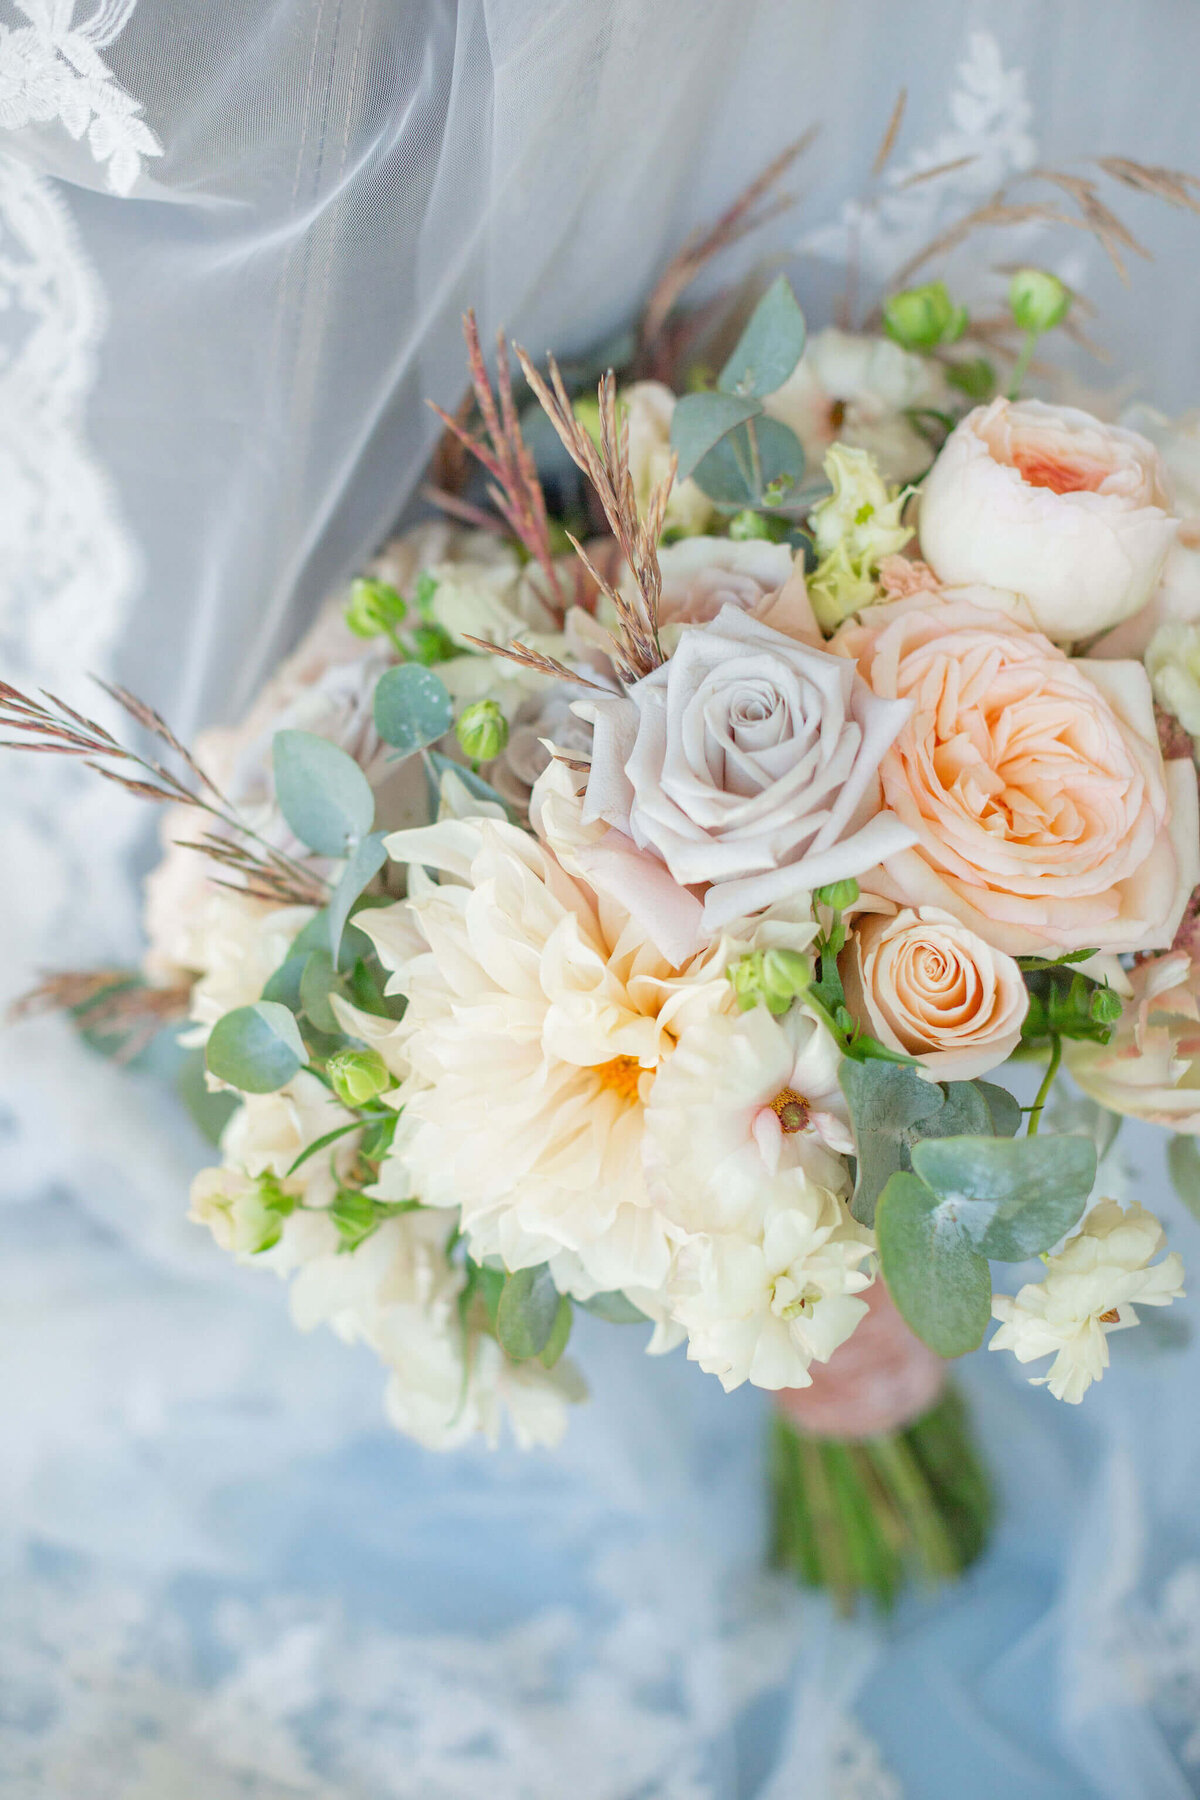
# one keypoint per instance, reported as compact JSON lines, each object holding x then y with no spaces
{"x":236,"y":1211}
{"x":856,"y":390}
{"x":234,"y":945}
{"x":1050,"y":503}
{"x":536,"y":1018}
{"x":1173,"y":665}
{"x":269,"y":1131}
{"x":747,"y":761}
{"x":649,"y":407}
{"x":763,"y":1310}
{"x":1089,"y":1289}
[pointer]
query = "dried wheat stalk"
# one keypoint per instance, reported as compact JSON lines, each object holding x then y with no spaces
{"x":111,"y":1001}
{"x":515,"y":489}
{"x":525,"y":658}
{"x":892,"y":132}
{"x":607,"y":468}
{"x":736,"y":222}
{"x":56,"y":729}
{"x":1172,"y":185}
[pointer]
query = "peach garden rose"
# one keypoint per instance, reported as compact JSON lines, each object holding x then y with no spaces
{"x":923,"y":984}
{"x":1044,"y":815}
{"x":1050,"y":503}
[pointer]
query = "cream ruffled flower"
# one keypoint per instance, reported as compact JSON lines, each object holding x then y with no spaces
{"x":1150,"y":1067}
{"x":648,"y":408}
{"x":1089,"y":1289}
{"x":763,"y":1310}
{"x":857,"y":389}
{"x":1173,"y":665}
{"x":537,"y":1017}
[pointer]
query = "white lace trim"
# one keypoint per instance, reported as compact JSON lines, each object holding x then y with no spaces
{"x":51,"y":69}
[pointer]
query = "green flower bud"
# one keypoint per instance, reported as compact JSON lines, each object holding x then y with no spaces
{"x":1038,"y":300}
{"x":1106,"y":1006}
{"x":921,"y":318}
{"x":748,"y":524}
{"x":837,"y":894}
{"x":358,"y":1076}
{"x":373,"y":607}
{"x":482,"y":730}
{"x":774,"y":977}
{"x":430,"y":644}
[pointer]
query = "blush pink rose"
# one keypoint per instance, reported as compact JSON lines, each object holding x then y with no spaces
{"x":1150,"y":1068}
{"x":1044,"y":815}
{"x":1054,"y":505}
{"x":924,"y":984}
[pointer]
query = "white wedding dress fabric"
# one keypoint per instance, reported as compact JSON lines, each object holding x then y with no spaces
{"x":235,"y":240}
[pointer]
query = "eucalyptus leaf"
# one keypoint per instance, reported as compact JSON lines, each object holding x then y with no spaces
{"x":210,"y":1112}
{"x":482,"y":790}
{"x":940,"y":1283}
{"x":284,"y":984}
{"x":754,"y":458}
{"x":256,"y":1049}
{"x":316,"y":936}
{"x":702,"y":420}
{"x":412,"y":707}
{"x":363,"y":864}
{"x":319,"y":979}
{"x":1018,"y":1195}
{"x":560,"y":1331}
{"x":1005,"y":1112}
{"x":1183,"y":1164}
{"x":526,"y":1315}
{"x":322,"y":792}
{"x":770,"y":346}
{"x":893,"y":1107}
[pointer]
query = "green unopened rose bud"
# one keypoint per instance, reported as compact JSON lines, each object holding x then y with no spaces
{"x":921,"y":318}
{"x":748,"y":524}
{"x":482,"y":730}
{"x":358,"y":1076}
{"x":837,"y":894}
{"x":1038,"y":300}
{"x":1106,"y":1006}
{"x":772,"y":977}
{"x":373,"y":607}
{"x":785,"y":973}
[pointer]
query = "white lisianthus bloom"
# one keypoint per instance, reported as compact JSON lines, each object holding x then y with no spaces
{"x":648,"y":407}
{"x":862,"y":512}
{"x":236,"y":1210}
{"x":744,"y":1102}
{"x":1173,"y":665}
{"x":399,"y":1293}
{"x":1089,"y":1289}
{"x":536,"y":1019}
{"x":856,"y":389}
{"x":234,"y":945}
{"x":748,"y":761}
{"x":1054,"y":505}
{"x":763,"y":1310}
{"x":269,"y":1131}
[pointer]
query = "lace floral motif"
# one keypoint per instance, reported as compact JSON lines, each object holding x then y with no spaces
{"x":52,"y":69}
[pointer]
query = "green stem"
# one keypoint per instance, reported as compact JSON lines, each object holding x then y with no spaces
{"x":1021,"y":366}
{"x":1043,"y":1093}
{"x":903,"y":1475}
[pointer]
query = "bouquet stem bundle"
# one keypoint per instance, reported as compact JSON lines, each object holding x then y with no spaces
{"x":863,"y":1518}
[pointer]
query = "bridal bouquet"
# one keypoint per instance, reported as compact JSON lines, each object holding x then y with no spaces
{"x":626,"y":897}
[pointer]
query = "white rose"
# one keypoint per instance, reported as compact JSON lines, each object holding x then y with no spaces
{"x":923,"y":984}
{"x":649,"y":407}
{"x":856,"y":390}
{"x":1054,"y":505}
{"x":747,"y":761}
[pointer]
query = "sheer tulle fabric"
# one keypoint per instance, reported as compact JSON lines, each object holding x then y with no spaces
{"x":234,"y":244}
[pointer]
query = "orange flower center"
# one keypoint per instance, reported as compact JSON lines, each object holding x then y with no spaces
{"x":621,"y":1077}
{"x":791,"y":1109}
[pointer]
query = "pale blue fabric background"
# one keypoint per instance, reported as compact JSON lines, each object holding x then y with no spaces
{"x":222,"y":1576}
